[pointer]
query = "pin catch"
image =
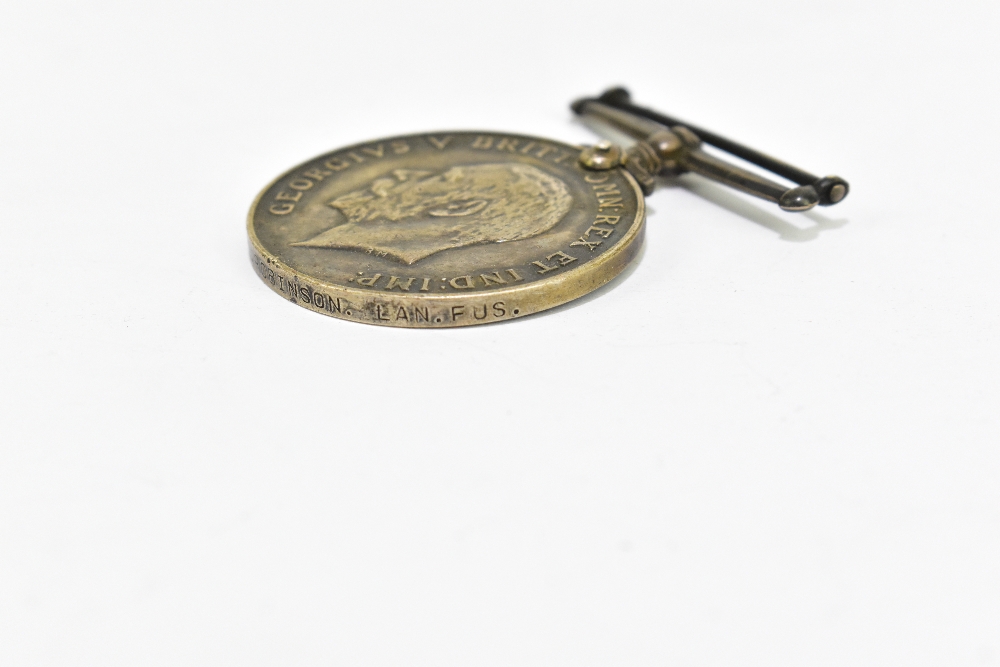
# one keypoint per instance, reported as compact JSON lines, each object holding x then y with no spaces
{"x":668,"y":147}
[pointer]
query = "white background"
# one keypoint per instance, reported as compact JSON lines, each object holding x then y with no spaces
{"x":773,"y":442}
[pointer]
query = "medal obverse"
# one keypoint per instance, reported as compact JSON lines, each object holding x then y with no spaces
{"x":457,"y":228}
{"x":444,"y":230}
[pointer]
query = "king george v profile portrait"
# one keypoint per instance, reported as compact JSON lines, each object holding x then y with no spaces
{"x":411,"y":214}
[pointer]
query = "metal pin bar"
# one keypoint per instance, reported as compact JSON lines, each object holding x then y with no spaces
{"x":615,"y":107}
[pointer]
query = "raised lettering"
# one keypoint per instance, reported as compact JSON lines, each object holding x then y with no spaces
{"x":506,"y":145}
{"x":492,"y":279}
{"x":378,"y":151}
{"x":562,"y":258}
{"x":396,"y":282}
{"x":426,"y":285}
{"x":440,"y":143}
{"x":603,"y":232}
{"x":590,"y":245}
{"x":544,"y":267}
{"x":607,"y":219}
{"x":466,"y":282}
{"x":400,"y":147}
{"x":336,"y":164}
{"x":300,"y":184}
{"x":483,"y":142}
{"x":281,"y":209}
{"x":514,"y":274}
{"x":596,"y":178}
{"x":317,"y":174}
{"x":286,"y":196}
{"x":369,"y":282}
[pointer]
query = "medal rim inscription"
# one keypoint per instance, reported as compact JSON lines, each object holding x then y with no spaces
{"x":517,"y":301}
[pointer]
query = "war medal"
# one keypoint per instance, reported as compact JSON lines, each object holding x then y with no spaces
{"x":460,"y":228}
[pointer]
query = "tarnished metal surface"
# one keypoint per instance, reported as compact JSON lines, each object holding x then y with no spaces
{"x":443,"y":230}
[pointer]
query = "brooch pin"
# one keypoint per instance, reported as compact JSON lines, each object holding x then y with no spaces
{"x":458,"y":228}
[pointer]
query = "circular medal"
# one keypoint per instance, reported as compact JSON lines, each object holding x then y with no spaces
{"x":444,"y":230}
{"x":457,"y":228}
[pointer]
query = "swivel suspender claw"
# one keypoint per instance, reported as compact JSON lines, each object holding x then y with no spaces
{"x":668,"y":147}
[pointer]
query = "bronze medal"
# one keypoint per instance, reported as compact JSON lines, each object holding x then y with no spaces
{"x":461,"y":228}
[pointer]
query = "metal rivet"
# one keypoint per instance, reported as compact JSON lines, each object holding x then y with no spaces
{"x":602,"y":156}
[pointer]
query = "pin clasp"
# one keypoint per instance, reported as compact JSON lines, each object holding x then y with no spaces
{"x":668,"y":147}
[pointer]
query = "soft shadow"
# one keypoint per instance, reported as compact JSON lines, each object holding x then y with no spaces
{"x":732,"y":202}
